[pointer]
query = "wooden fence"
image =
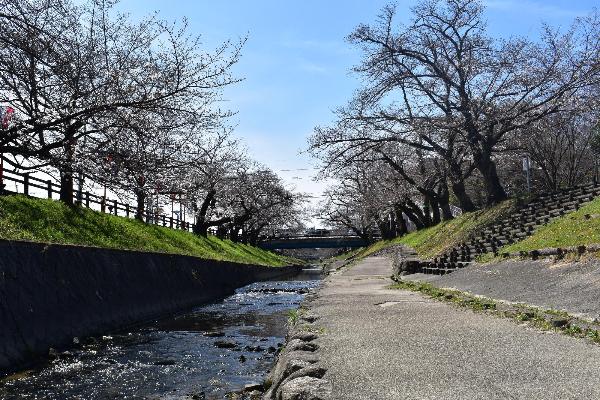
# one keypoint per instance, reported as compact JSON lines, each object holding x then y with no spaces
{"x":36,"y":187}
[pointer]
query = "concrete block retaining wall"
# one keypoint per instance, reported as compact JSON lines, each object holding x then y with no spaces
{"x":50,"y":294}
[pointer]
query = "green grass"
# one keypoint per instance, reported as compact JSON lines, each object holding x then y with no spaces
{"x":433,"y":241}
{"x":48,"y":221}
{"x":581,"y":227}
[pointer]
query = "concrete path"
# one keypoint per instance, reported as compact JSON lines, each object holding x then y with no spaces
{"x":390,"y":344}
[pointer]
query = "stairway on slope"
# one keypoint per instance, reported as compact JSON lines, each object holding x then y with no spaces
{"x":521,"y":224}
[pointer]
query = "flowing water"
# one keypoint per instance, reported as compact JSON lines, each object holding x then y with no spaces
{"x":213,"y":350}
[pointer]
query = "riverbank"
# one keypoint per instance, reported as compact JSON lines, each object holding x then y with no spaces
{"x":375,"y":342}
{"x":49,"y":221}
{"x":53,"y":295}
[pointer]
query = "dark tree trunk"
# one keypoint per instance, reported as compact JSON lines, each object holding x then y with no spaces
{"x":487,"y":167}
{"x":458,"y":188}
{"x":141,"y":204}
{"x":465,"y":202}
{"x":200,"y":229}
{"x":234,"y":234}
{"x":385,"y":229}
{"x":222,"y":232}
{"x":401,"y":228}
{"x":66,"y":170}
{"x":414,"y":213}
{"x":66,"y":186}
{"x":444,"y":202}
{"x":435,"y":210}
{"x":426,"y":211}
{"x":201,"y":226}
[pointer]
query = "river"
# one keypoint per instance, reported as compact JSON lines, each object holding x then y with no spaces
{"x":206,"y":353}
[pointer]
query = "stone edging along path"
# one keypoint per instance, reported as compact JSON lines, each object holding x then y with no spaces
{"x":297,"y":375}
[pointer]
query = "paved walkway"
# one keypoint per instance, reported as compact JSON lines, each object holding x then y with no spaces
{"x":390,"y":344}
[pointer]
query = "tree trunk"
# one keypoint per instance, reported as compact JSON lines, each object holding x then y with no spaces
{"x":384,"y":228}
{"x":222,"y":232}
{"x":426,"y":211}
{"x":234,"y":234}
{"x":66,"y":170}
{"x":465,"y":202}
{"x":141,"y":204}
{"x":414,"y":214}
{"x":487,"y":167}
{"x":201,"y":226}
{"x":401,"y":228}
{"x":444,"y":202}
{"x":66,"y":186}
{"x":435,"y":210}
{"x":458,"y":187}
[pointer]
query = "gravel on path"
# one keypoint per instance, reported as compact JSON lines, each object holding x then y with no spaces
{"x":390,"y":344}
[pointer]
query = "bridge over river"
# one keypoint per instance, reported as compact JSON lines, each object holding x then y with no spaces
{"x":313,"y":242}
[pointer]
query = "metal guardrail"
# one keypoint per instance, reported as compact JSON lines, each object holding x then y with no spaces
{"x":86,"y":199}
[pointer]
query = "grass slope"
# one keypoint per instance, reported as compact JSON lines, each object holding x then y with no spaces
{"x":433,"y":241}
{"x":581,"y":227}
{"x":48,"y":221}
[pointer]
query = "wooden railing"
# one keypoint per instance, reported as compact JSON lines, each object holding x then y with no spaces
{"x":33,"y":186}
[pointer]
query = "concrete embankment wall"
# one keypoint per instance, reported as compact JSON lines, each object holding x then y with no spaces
{"x":50,"y":294}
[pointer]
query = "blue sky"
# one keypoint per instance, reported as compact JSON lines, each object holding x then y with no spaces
{"x":296,"y":62}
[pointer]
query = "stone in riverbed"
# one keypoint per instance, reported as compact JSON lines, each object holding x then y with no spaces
{"x":225,"y":344}
{"x":252,"y":387}
{"x":214,"y":334}
{"x":256,"y":349}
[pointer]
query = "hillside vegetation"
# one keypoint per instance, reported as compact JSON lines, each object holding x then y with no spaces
{"x":48,"y":221}
{"x":433,"y":241}
{"x":581,"y":227}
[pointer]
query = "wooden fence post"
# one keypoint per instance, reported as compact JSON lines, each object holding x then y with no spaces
{"x":116,"y":205}
{"x":87,"y":199}
{"x":49,"y":186}
{"x":127,"y":209}
{"x":26,"y":184}
{"x":170,"y":222}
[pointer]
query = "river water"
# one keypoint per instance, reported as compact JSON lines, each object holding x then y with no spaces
{"x":213,"y":350}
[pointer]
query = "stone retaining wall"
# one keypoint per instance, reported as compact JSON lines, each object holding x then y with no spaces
{"x":50,"y":294}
